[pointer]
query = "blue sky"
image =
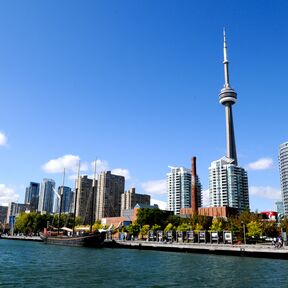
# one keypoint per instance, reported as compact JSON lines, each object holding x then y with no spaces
{"x":136,"y":84}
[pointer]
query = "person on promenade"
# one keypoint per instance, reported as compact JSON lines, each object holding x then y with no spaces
{"x":278,"y":243}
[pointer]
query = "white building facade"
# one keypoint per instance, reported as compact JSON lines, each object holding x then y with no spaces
{"x":179,"y":181}
{"x":283,"y":167}
{"x":228,"y":185}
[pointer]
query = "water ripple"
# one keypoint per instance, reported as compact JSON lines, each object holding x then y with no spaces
{"x":29,"y":264}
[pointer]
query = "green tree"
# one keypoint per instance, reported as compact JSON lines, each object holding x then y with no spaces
{"x":97,"y":225}
{"x":205,"y":221}
{"x":247,"y":217}
{"x":217,"y":224}
{"x":197,"y":228}
{"x":133,"y":229}
{"x":25,"y":223}
{"x":144,"y":230}
{"x":270,"y":229}
{"x":175,"y":220}
{"x":169,"y":227}
{"x":234,"y":224}
{"x":184,"y":227}
{"x":155,"y":227}
{"x":254,"y":230}
{"x":34,"y":222}
{"x":148,"y":216}
{"x":21,"y":222}
{"x":284,"y":224}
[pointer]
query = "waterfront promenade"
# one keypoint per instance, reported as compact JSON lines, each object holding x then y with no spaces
{"x":249,"y":250}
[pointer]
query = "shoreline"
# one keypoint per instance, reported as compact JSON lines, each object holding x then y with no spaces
{"x":250,"y":250}
{"x":25,"y":238}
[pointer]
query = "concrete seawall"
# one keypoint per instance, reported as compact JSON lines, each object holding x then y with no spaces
{"x":260,"y":251}
{"x":27,"y":238}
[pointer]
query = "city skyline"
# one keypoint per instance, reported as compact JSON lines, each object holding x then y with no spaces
{"x":136,"y":85}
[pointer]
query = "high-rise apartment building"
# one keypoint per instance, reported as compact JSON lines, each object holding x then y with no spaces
{"x":46,"y":196}
{"x":85,"y":201}
{"x":130,"y":198}
{"x":179,"y":183}
{"x":279,"y":207}
{"x":228,"y":185}
{"x":283,"y":167}
{"x":32,"y":196}
{"x":67,"y":199}
{"x":15,"y":209}
{"x":110,"y":188}
{"x":3,"y":214}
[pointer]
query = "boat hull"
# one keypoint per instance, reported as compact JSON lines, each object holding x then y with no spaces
{"x":91,"y":240}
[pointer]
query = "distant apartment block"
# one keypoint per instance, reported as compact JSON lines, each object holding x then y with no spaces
{"x":15,"y":209}
{"x":279,"y":207}
{"x":3,"y":214}
{"x":283,"y":168}
{"x":32,"y":196}
{"x":110,"y":188}
{"x":46,"y":196}
{"x":84,"y":199}
{"x":130,"y":198}
{"x":179,"y":184}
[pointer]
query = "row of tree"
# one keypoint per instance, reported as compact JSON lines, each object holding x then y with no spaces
{"x":33,"y":222}
{"x":252,"y":223}
{"x":156,"y":219}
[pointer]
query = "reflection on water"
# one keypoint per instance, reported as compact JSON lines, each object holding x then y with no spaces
{"x":28,"y":264}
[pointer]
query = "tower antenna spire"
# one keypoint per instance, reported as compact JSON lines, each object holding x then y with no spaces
{"x":225,"y":62}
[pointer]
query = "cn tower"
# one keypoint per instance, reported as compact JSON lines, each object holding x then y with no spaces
{"x":228,"y":97}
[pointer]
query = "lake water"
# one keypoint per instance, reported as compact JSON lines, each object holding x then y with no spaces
{"x":34,"y":264}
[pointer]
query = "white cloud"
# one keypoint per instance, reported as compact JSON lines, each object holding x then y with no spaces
{"x":7,"y":195}
{"x":3,"y":139}
{"x":161,"y":204}
{"x":102,"y":165}
{"x":122,"y":172}
{"x":155,"y":187}
{"x":69,"y":162}
{"x":261,"y":164}
{"x":265,"y":192}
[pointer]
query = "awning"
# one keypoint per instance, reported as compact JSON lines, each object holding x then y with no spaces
{"x":86,"y":228}
{"x":67,"y":229}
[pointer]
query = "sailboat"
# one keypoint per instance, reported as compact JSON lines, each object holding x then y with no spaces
{"x":69,"y":237}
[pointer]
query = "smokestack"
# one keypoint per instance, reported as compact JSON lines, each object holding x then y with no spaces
{"x":194,"y":204}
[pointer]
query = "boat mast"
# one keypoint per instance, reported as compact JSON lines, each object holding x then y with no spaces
{"x":76,"y":193}
{"x":61,"y":200}
{"x":94,"y":187}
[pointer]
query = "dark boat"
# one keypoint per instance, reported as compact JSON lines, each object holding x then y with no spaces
{"x":68,"y":237}
{"x":86,"y":239}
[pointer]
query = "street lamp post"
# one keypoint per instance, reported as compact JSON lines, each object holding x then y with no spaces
{"x":244,"y":232}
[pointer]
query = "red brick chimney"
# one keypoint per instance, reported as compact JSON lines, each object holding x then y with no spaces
{"x":194,"y":204}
